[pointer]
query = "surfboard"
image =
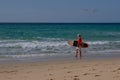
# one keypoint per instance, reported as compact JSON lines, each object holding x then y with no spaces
{"x":74,"y":43}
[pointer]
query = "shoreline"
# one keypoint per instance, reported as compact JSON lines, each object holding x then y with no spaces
{"x":99,"y":69}
{"x":61,"y":57}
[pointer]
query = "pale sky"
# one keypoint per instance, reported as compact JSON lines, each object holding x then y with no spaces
{"x":60,"y":11}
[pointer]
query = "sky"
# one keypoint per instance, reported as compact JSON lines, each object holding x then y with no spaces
{"x":76,"y":11}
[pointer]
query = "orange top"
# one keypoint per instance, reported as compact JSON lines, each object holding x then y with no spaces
{"x":79,"y":40}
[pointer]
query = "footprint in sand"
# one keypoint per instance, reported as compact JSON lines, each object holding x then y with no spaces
{"x":92,"y":69}
{"x":97,"y":75}
{"x":114,"y":71}
{"x":96,"y":65}
{"x":75,"y":76}
{"x":86,"y":74}
{"x":64,"y":67}
{"x":69,"y":71}
{"x":50,"y":79}
{"x":76,"y":79}
{"x":118,"y":69}
{"x":50,"y":74}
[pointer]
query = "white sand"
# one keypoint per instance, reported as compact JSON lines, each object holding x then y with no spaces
{"x":106,"y":69}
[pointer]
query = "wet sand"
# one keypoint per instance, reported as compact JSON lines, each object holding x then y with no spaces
{"x":99,"y":69}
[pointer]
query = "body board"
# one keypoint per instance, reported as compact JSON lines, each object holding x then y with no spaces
{"x":74,"y":43}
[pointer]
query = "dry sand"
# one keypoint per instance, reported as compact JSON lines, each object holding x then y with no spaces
{"x":104,"y":69}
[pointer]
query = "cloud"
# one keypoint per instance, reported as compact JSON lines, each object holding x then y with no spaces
{"x":85,"y":10}
{"x":94,"y":10}
{"x":89,"y":11}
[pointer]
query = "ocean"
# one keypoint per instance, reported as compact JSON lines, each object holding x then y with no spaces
{"x":42,"y":41}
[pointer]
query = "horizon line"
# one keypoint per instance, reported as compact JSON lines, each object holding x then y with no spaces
{"x":63,"y":22}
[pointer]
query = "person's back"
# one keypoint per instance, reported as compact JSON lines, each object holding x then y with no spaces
{"x":79,"y":40}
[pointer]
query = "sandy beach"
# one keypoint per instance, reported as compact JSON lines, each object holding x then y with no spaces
{"x":100,"y":69}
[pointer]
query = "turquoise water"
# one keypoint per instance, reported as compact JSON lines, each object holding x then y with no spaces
{"x":65,"y":31}
{"x":44,"y":39}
